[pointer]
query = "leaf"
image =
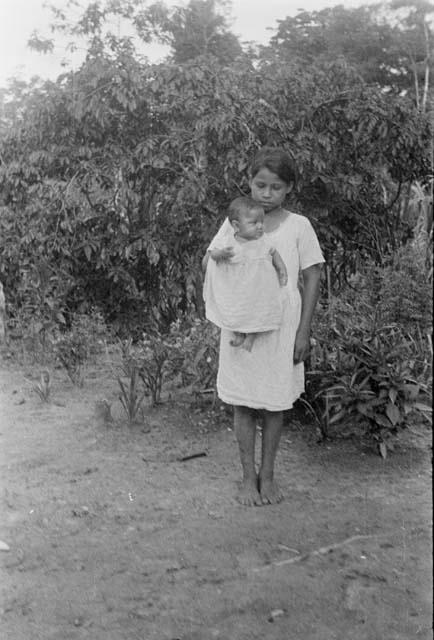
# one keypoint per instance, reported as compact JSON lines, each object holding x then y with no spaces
{"x":420,"y":406}
{"x":383,"y":450}
{"x":364,"y":409}
{"x":381,"y":420}
{"x":408,"y":408}
{"x":393,"y":413}
{"x":393,"y":394}
{"x":411,"y":391}
{"x":338,"y":416}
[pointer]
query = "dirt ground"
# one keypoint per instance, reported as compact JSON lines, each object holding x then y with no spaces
{"x":112,"y":536}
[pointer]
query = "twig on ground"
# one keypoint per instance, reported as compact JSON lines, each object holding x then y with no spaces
{"x":193,"y":455}
{"x":323,"y":550}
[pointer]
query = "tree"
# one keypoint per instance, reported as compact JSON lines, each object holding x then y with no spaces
{"x":384,"y":45}
{"x":195,"y":30}
{"x":417,"y":44}
{"x":114,"y":177}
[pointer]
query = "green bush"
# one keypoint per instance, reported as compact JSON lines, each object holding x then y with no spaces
{"x":183,"y":359}
{"x":198,"y":343}
{"x":404,"y":291}
{"x":371,"y":365}
{"x":82,"y":342}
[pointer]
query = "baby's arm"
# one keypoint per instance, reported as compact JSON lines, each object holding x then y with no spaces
{"x":220,"y":255}
{"x":280,"y":267}
{"x":219,"y":248}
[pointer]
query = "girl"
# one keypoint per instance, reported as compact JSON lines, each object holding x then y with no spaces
{"x":271,"y":377}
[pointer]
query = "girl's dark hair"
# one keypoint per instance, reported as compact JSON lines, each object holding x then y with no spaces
{"x":275,"y":160}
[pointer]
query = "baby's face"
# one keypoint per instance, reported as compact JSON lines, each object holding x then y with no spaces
{"x":250,"y":224}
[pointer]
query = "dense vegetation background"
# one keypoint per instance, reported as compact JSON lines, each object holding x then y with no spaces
{"x":114,"y":177}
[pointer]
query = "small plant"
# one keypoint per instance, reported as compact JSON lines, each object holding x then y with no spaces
{"x":131,"y":396}
{"x":72,"y":353}
{"x":75,"y":347}
{"x":43,"y":387}
{"x":103,"y":413}
{"x":155,"y":355}
{"x":199,"y":348}
{"x":186,"y":357}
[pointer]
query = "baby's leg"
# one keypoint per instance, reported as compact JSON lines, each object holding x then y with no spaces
{"x":238,"y":339}
{"x":248,"y":341}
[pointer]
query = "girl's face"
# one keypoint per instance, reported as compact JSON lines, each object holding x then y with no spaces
{"x":268,"y":189}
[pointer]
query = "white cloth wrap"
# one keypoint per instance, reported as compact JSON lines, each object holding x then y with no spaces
{"x":243,"y":294}
{"x":266,"y":377}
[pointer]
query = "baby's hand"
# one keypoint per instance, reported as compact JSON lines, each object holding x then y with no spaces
{"x":221,"y":255}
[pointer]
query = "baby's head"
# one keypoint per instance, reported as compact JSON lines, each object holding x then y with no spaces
{"x":247,"y":218}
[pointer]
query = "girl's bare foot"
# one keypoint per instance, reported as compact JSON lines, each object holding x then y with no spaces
{"x":269,"y":492}
{"x":248,"y":494}
{"x":237,"y":340}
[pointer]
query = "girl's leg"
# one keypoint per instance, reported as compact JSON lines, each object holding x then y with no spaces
{"x":245,"y":432}
{"x":271,"y":432}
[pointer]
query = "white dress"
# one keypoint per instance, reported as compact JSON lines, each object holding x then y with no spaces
{"x":243,"y":294}
{"x":266,"y":377}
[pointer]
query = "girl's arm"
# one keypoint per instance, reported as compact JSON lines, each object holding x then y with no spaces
{"x":310,"y":294}
{"x":205,"y":261}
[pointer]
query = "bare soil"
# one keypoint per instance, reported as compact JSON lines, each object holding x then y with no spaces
{"x":113,"y":536}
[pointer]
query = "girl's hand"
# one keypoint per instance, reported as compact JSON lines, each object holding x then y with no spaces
{"x":301,"y":346}
{"x":222,"y":255}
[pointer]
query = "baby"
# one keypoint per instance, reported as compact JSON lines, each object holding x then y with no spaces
{"x":242,"y":279}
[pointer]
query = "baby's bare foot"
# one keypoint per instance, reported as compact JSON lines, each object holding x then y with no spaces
{"x":248,"y":342}
{"x":270,"y":492}
{"x":248,"y":494}
{"x":237,"y":340}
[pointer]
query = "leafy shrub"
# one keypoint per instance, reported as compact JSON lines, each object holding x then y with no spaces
{"x":184,"y":358}
{"x":157,"y":355}
{"x":198,"y":345}
{"x":123,"y":208}
{"x":405,"y":291}
{"x":79,"y":344}
{"x":371,"y":364}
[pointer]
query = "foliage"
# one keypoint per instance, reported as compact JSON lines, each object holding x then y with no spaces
{"x":184,"y":358}
{"x":43,"y":387}
{"x":130,"y":396}
{"x":199,"y":347}
{"x":403,"y":290}
{"x":389,"y":44}
{"x":371,"y":368}
{"x":78,"y":344}
{"x":155,"y":362}
{"x":114,"y":178}
{"x":197,"y":29}
{"x":124,"y":189}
